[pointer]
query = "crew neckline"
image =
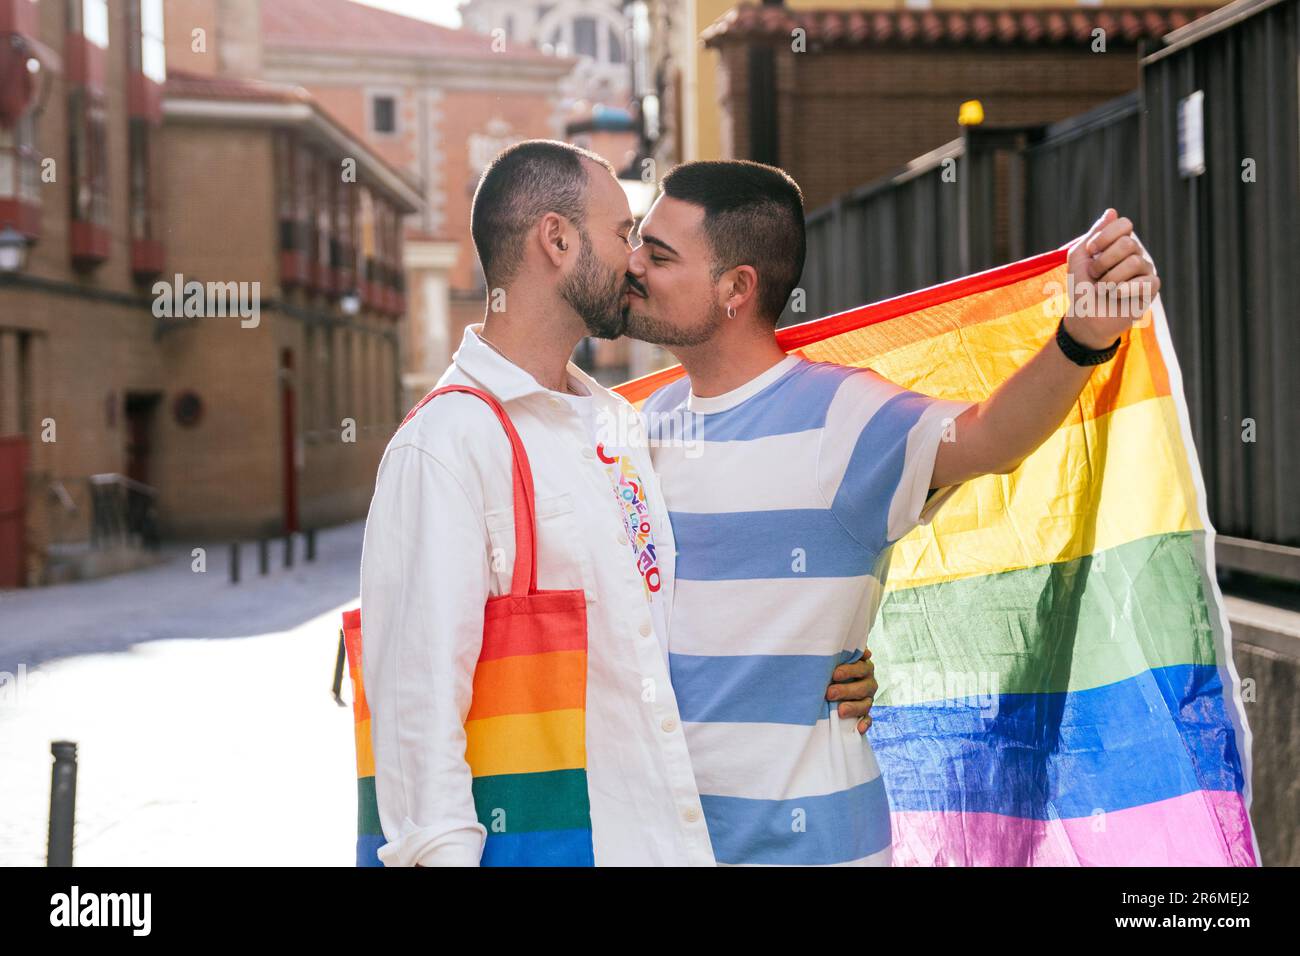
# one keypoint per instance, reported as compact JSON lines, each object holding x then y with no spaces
{"x":720,"y":403}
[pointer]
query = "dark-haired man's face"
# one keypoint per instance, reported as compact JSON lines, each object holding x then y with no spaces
{"x":672,"y":295}
{"x":594,"y":285}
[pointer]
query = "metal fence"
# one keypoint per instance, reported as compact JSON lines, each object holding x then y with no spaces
{"x":900,"y":233}
{"x":1225,"y":240}
{"x":1077,"y":165}
{"x":1222,"y":237}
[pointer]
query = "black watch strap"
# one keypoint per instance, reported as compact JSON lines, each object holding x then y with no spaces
{"x":1080,"y":354}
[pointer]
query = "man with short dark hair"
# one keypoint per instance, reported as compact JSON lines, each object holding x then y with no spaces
{"x":798,"y":479}
{"x":551,"y":226}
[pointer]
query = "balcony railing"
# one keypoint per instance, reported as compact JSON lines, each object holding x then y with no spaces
{"x":123,"y":512}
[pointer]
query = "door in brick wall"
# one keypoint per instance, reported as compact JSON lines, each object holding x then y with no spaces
{"x":13,"y":510}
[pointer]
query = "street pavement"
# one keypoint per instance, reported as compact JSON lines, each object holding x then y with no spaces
{"x":202,"y":713}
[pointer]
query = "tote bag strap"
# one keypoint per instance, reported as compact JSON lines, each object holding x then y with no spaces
{"x":523,"y":580}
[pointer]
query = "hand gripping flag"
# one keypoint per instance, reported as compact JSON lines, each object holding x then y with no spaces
{"x":1056,"y":677}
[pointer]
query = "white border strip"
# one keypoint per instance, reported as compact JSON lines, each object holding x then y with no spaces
{"x":1223,"y":632}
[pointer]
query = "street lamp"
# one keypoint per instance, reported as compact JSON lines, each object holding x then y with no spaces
{"x":13,"y":249}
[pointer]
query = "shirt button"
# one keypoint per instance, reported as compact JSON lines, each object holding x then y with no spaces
{"x":621,"y":539}
{"x":691,"y":815}
{"x":645,"y":630}
{"x":588,"y":453}
{"x":669,"y":725}
{"x":557,"y":402}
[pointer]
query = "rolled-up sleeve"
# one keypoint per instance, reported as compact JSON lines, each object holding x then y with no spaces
{"x":424,"y":581}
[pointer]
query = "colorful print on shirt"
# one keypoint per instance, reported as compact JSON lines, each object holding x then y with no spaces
{"x":630,"y":492}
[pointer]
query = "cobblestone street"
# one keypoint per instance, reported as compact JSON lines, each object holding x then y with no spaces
{"x":202,"y":712}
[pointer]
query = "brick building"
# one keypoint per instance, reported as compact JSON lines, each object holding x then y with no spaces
{"x":118,"y":410}
{"x":436,"y":103}
{"x":842,"y":97}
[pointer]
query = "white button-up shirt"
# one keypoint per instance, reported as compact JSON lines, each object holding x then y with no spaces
{"x":439,"y":542}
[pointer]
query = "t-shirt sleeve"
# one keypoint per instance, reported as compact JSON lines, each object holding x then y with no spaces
{"x":876,"y":457}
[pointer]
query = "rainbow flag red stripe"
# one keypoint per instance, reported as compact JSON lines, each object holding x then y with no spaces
{"x":1057,"y":682}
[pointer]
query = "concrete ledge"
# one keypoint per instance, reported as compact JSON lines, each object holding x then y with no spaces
{"x":1257,"y":557}
{"x":1263,"y":625}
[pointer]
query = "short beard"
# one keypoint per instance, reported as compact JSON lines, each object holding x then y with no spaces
{"x":595,"y":296}
{"x":650,"y":329}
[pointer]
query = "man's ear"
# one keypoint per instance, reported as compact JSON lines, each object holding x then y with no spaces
{"x":740,"y":287}
{"x":556,"y":236}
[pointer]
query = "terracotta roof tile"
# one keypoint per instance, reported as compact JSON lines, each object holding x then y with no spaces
{"x":1012,"y":26}
{"x":196,"y":86}
{"x":343,"y":25}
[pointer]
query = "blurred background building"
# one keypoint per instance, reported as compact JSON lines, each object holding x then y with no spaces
{"x":125,"y":420}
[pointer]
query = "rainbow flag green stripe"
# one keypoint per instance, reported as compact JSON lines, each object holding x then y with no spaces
{"x":1065,"y":626}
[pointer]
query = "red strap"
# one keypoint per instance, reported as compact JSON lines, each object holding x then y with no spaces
{"x":523,"y":580}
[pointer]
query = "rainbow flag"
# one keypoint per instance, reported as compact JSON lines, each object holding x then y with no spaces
{"x":1056,"y":678}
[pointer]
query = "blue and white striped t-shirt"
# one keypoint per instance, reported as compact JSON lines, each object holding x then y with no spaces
{"x":785,"y":496}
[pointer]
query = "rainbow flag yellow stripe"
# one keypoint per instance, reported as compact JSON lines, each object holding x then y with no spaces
{"x":1057,"y":683}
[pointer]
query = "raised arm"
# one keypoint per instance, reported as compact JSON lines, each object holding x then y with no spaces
{"x":1110,"y":271}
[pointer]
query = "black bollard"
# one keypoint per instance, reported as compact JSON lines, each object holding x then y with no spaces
{"x":63,"y":803}
{"x":311,"y":544}
{"x":288,"y":549}
{"x":234,"y":562}
{"x":263,"y":556}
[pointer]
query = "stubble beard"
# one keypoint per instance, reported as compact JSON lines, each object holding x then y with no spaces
{"x":647,"y":328}
{"x":596,"y":295}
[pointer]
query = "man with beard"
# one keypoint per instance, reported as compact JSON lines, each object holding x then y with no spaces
{"x":551,"y":227}
{"x":799,"y":478}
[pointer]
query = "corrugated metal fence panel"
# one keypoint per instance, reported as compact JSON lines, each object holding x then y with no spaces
{"x":1225,"y":248}
{"x":882,"y":240}
{"x":1080,"y":167}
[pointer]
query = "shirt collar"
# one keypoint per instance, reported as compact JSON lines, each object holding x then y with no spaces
{"x":741,"y":393}
{"x":502,"y":377}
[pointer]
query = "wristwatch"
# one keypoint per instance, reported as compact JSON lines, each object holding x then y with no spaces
{"x":1080,"y":354}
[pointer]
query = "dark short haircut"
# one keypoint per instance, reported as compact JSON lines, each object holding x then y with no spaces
{"x":523,"y":183}
{"x":753,"y":215}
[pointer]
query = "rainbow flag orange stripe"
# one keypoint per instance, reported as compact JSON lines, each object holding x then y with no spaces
{"x":1057,"y":682}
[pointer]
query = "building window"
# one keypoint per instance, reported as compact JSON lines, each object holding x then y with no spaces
{"x":20,"y":176}
{"x":87,"y":138}
{"x":145,"y":39}
{"x":146,"y":65}
{"x":325,"y":239}
{"x":383,"y":114}
{"x":143,"y":198}
{"x":153,"y":59}
{"x":615,"y":46}
{"x":584,"y":37}
{"x":89,"y":19}
{"x":88,"y":155}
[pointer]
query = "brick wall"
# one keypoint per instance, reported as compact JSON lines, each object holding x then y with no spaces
{"x":849,"y":116}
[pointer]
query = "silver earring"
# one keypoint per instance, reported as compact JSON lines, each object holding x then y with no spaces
{"x":731,"y":311}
